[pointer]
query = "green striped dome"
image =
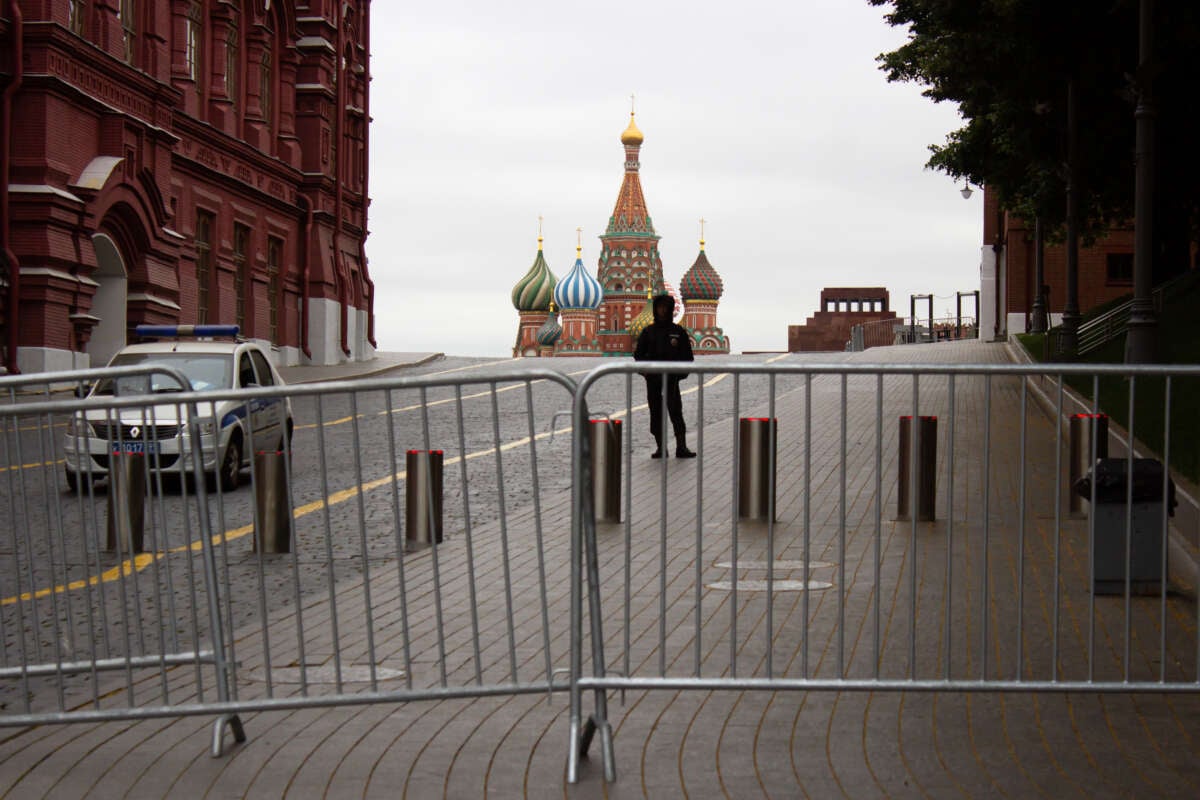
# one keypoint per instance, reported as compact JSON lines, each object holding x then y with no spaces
{"x":534,"y":291}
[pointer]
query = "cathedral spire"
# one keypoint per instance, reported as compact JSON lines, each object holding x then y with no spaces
{"x":629,"y":213}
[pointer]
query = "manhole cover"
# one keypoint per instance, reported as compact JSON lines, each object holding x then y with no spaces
{"x":761,"y":586}
{"x":327,"y":673}
{"x":780,"y":566}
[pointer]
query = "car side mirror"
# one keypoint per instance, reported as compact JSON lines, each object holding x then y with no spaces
{"x":83,"y":389}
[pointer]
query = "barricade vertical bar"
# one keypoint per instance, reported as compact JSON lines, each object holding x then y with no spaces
{"x":1129,"y":522}
{"x":575,"y":742}
{"x":190,"y":564}
{"x":914,"y":514}
{"x":1058,"y":447}
{"x":987,"y":496}
{"x":1021,"y":539}
{"x":221,"y":663}
{"x":807,"y":516}
{"x":329,"y":574}
{"x":537,"y":523}
{"x":368,"y":606}
{"x":696,"y":634}
{"x":841,"y":634}
{"x":508,"y":602}
{"x":1092,"y":549}
{"x":435,"y":545}
{"x":25,"y":528}
{"x":733,"y":595}
{"x":878,"y":522}
{"x":770,"y":630}
{"x":266,"y":505}
{"x":398,"y":527}
{"x":948,"y":627}
{"x":625,"y":656}
{"x":165,"y":629}
{"x":48,"y":457}
{"x":1162,"y":575}
{"x":470,"y":548}
{"x":662,"y":527}
{"x":600,"y":721}
{"x":26,"y":694}
{"x":42,"y":424}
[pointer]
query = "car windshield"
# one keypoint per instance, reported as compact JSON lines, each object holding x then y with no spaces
{"x":206,"y":371}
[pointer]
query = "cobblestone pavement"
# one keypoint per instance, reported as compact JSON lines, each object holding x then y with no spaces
{"x":672,"y":743}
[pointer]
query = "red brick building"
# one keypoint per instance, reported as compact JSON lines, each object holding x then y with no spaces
{"x":183,"y":161}
{"x":1007,"y":270}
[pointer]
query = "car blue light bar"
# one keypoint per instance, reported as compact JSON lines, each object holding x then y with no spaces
{"x":177,"y":331}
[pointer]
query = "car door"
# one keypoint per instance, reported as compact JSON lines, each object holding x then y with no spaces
{"x":269,"y":419}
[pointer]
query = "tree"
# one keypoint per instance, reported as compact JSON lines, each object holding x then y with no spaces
{"x":1007,"y":65}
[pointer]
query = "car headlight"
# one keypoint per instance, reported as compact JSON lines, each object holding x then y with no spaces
{"x":206,"y":425}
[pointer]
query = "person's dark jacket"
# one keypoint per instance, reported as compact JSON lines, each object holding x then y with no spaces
{"x":664,"y":340}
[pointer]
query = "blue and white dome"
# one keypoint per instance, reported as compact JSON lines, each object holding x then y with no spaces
{"x":578,"y":289}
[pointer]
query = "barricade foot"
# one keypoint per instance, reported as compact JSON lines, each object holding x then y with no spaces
{"x":218,"y":737}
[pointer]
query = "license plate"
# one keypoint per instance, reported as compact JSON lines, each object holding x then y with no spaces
{"x":140,"y":448}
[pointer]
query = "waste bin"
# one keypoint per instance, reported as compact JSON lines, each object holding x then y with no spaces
{"x":423,"y":510}
{"x":756,"y":479}
{"x":1110,"y":514}
{"x":926,"y":468}
{"x":1084,"y":430}
{"x":272,"y":507}
{"x":605,"y":441}
{"x":126,"y":502}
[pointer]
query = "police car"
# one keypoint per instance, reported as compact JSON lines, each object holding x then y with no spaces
{"x":212,"y":358}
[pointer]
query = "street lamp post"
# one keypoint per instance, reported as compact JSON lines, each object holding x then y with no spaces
{"x":1141,"y":330}
{"x":1038,"y":322}
{"x":1070,"y":318}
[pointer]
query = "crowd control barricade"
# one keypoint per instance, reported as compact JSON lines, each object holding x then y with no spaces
{"x":986,"y":588}
{"x":216,"y":616}
{"x":112,"y":591}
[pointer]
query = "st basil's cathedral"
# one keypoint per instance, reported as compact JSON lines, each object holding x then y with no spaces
{"x":601,"y":315}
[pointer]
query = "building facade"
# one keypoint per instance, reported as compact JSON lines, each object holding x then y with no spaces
{"x":184,"y":161}
{"x":1008,"y":269}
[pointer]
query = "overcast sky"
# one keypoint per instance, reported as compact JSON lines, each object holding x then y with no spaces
{"x":770,"y":120}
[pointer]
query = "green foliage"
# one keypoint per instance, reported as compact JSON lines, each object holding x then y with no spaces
{"x":1007,"y":65}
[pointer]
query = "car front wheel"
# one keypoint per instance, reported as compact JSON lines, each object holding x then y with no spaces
{"x":231,"y":465}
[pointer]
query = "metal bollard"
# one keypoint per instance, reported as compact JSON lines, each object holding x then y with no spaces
{"x":926,"y":477}
{"x":272,"y":506}
{"x":606,"y":468}
{"x":423,"y":511}
{"x":1082,"y":429}
{"x":126,"y":502}
{"x":757,"y":437}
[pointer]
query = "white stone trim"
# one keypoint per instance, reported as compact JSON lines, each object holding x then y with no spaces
{"x":97,"y":172}
{"x":315,"y":41}
{"x":58,"y":273}
{"x":30,"y":188}
{"x":158,"y":301}
{"x":173,"y":233}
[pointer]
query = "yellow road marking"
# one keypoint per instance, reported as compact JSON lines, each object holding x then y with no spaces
{"x":143,"y":560}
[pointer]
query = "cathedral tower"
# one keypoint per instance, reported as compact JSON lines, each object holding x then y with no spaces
{"x":629,"y":265}
{"x":701,"y":289}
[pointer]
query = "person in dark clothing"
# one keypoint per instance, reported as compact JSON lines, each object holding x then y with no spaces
{"x":663,"y":340}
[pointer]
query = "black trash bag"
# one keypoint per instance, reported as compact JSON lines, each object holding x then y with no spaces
{"x":1112,"y":482}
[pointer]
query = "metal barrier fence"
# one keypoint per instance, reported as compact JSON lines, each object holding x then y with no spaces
{"x":834,"y":591}
{"x":204,"y":621}
{"x":819,"y":586}
{"x":76,"y":602}
{"x":909,"y":330}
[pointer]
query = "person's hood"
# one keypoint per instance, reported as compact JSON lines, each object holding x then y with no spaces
{"x":664,"y":301}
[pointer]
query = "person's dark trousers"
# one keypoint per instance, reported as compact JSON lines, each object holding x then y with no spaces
{"x":654,"y":389}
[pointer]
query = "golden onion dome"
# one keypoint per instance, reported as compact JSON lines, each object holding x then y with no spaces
{"x":632,"y":135}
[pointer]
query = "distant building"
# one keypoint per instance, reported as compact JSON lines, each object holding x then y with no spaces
{"x":628,"y":273}
{"x":841,"y":309}
{"x":1007,"y":271}
{"x":184,"y":161}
